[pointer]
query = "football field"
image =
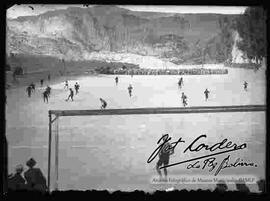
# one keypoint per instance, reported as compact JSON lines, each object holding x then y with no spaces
{"x":111,"y":152}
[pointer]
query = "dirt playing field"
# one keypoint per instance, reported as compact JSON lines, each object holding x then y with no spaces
{"x":111,"y":152}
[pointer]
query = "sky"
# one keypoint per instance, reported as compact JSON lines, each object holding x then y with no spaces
{"x":24,"y":9}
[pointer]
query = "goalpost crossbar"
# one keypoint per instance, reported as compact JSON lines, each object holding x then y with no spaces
{"x":160,"y":110}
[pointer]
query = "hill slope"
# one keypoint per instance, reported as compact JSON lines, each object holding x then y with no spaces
{"x":76,"y":33}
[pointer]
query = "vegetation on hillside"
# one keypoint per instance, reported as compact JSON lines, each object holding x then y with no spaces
{"x":219,"y":47}
{"x":252,"y":29}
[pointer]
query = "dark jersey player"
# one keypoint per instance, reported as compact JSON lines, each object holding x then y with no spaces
{"x":77,"y":86}
{"x":206,"y":93}
{"x":29,"y":90}
{"x":245,"y":85}
{"x":130,"y":90}
{"x":66,"y":85}
{"x":45,"y":96}
{"x":103,"y":103}
{"x":33,"y":86}
{"x":48,"y":89}
{"x":71,"y":94}
{"x":184,"y":99}
{"x":164,"y":155}
{"x":180,"y":82}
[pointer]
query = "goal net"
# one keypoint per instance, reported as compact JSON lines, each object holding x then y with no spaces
{"x":98,"y":148}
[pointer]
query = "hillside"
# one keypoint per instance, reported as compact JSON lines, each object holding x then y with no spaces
{"x":78,"y":33}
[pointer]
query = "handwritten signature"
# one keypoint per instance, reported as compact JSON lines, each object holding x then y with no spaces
{"x":225,"y":146}
{"x":211,"y":163}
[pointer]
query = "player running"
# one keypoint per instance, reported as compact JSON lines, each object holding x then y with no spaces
{"x":206,"y":93}
{"x":77,"y":86}
{"x":184,"y":99}
{"x":45,"y":96}
{"x":49,"y":77}
{"x":66,"y":85}
{"x":70,"y":95}
{"x":245,"y":85}
{"x":164,"y":155}
{"x":33,"y":86}
{"x":180,"y":82}
{"x":29,"y":90}
{"x":48,"y":89}
{"x":103,"y":103}
{"x":116,"y":80}
{"x":130,"y":90}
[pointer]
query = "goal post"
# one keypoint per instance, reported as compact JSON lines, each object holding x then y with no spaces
{"x":52,"y":122}
{"x":54,"y":116}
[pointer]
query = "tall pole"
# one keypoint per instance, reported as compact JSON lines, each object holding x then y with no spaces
{"x":56,"y":155}
{"x":5,"y":172}
{"x":49,"y":149}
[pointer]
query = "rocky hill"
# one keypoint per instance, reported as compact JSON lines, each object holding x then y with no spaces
{"x":79,"y":33}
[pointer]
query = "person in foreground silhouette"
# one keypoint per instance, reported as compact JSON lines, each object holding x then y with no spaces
{"x":242,"y":187}
{"x":221,"y":187}
{"x":261,"y":185}
{"x":16,"y":181}
{"x":34,"y":178}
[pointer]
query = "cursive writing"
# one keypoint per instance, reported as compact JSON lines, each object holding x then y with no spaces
{"x":158,"y":149}
{"x":212,"y":164}
{"x":196,"y":146}
{"x":220,"y":145}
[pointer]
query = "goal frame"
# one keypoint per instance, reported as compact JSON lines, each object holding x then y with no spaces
{"x":133,"y":111}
